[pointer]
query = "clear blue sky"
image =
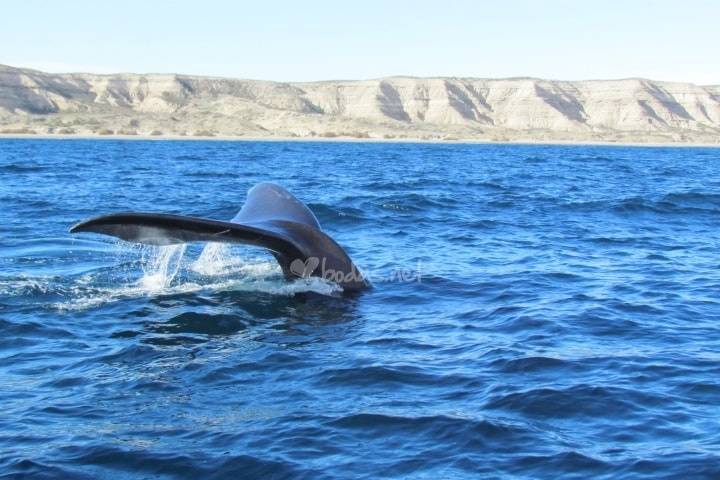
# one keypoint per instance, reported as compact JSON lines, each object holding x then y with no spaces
{"x":314,"y":40}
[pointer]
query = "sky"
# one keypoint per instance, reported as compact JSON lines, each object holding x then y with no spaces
{"x":330,"y":40}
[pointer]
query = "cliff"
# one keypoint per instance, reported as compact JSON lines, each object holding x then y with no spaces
{"x":395,"y":107}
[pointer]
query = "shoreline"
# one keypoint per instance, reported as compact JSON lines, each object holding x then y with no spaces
{"x":460,"y":141}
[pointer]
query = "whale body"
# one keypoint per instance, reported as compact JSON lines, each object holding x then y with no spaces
{"x":271,"y":218}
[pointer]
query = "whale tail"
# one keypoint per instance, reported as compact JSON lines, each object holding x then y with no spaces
{"x":271,"y":218}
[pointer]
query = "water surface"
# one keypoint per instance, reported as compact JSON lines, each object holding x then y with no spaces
{"x":537,"y":311}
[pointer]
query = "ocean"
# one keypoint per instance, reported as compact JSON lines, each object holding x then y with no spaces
{"x":537,"y":311}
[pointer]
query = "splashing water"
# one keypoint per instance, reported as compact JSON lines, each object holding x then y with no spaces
{"x":170,"y":270}
{"x":213,"y":260}
{"x":160,"y":269}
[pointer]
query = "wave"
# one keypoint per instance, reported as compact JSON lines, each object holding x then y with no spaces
{"x":376,"y":376}
{"x":107,"y":459}
{"x":577,"y":400}
{"x":21,"y":168}
{"x":337,"y":215}
{"x":671,"y":203}
{"x":403,"y":202}
{"x":530,"y":364}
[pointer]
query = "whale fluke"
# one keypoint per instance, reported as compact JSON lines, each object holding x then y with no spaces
{"x":271,"y":218}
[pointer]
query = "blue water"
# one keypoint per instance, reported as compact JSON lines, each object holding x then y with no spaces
{"x":537,"y":312}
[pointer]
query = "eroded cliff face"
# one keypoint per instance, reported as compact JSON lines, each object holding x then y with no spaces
{"x":394,"y":107}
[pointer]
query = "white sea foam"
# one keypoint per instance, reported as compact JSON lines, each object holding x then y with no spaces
{"x":168,"y":271}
